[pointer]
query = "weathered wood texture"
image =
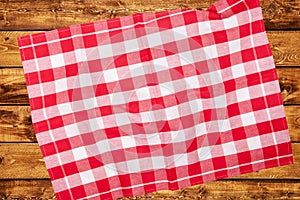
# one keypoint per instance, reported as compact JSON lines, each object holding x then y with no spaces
{"x":24,"y":160}
{"x":285,"y":47}
{"x":16,"y":125}
{"x":293,"y":120}
{"x":240,"y":189}
{"x":232,"y":190}
{"x":19,"y":161}
{"x":26,"y":189}
{"x":289,"y":80}
{"x":9,"y":50}
{"x":35,"y":14}
{"x":13,"y":88}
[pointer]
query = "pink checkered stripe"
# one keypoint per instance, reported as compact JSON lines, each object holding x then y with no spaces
{"x":231,"y":114}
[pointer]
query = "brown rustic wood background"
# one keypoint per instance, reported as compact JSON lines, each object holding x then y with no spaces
{"x":22,"y":170}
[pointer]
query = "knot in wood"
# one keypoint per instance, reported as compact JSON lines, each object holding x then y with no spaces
{"x":297,"y":121}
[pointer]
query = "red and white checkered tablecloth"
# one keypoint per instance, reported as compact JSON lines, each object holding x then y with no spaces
{"x":157,"y":101}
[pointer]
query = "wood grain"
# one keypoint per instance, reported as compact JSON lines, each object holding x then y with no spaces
{"x":22,"y":170}
{"x":19,"y":161}
{"x":13,"y":88}
{"x":9,"y":50}
{"x":26,"y":189}
{"x":232,"y":190}
{"x":285,"y":47}
{"x":225,"y":189}
{"x":284,"y":44}
{"x":293,"y":119}
{"x":39,"y":15}
{"x":289,"y":80}
{"x":16,"y":125}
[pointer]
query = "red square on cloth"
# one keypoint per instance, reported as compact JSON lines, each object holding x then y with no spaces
{"x":156,"y":101}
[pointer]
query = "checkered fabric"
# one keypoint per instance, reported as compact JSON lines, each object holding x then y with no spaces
{"x":157,"y":101}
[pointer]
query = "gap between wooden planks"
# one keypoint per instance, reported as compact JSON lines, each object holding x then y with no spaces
{"x":284,"y":44}
{"x":49,"y":14}
{"x":223,"y":189}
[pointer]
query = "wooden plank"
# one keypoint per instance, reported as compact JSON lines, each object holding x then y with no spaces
{"x":18,"y":161}
{"x":243,"y":189}
{"x":26,"y":189}
{"x":232,"y":190}
{"x":284,"y":46}
{"x":16,"y":125}
{"x":289,"y":80}
{"x":12,"y":86}
{"x":21,"y":161}
{"x":13,"y":89}
{"x":38,"y":14}
{"x":293,"y":119}
{"x":9,"y":50}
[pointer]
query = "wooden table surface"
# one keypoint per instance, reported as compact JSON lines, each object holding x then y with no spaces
{"x":22,"y":170}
